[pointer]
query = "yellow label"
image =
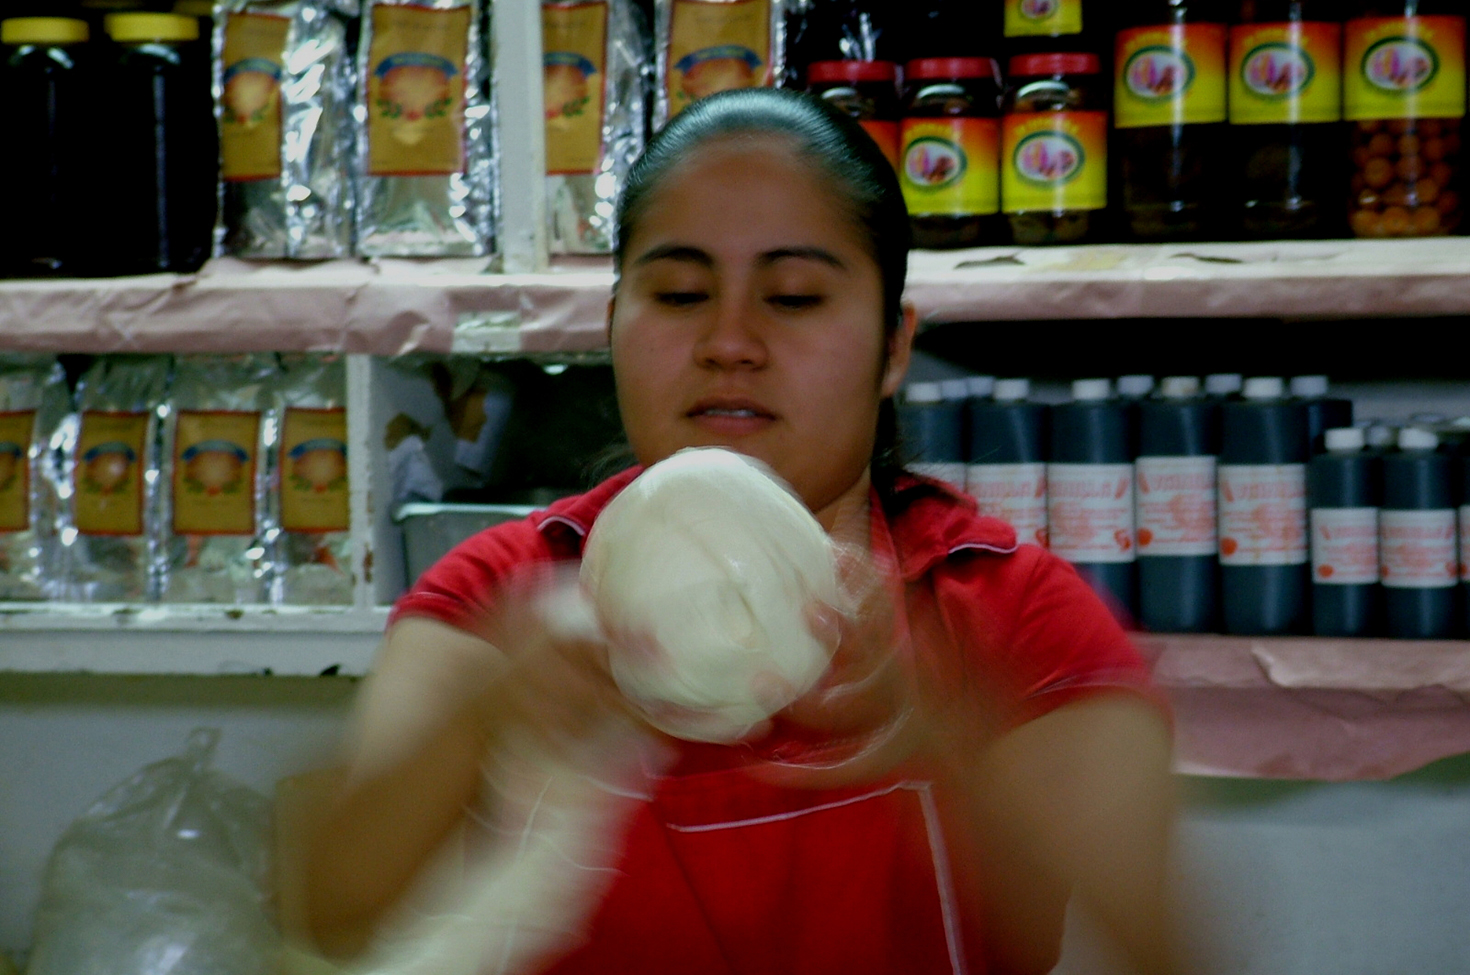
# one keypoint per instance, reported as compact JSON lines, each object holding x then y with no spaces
{"x":574,"y":39}
{"x":1404,"y":67}
{"x":950,"y":166}
{"x":109,"y":473}
{"x":16,"y":430}
{"x":1170,"y":75}
{"x":715,"y":45}
{"x":250,"y":105}
{"x":416,"y":90}
{"x":1054,"y":161}
{"x":314,"y":471}
{"x":1043,"y":18}
{"x":214,"y":473}
{"x":1287,"y":72}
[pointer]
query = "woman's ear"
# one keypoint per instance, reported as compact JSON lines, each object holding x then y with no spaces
{"x":900,"y":350}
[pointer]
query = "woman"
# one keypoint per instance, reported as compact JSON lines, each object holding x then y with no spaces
{"x":1001,"y":747}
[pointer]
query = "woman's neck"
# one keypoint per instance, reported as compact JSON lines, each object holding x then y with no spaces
{"x":846,"y":518}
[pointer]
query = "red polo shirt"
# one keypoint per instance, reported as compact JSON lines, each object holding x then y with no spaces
{"x":722,"y":873}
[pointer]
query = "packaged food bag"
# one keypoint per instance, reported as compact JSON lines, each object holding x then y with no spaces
{"x":312,"y":496}
{"x":167,"y":872}
{"x":705,"y":46}
{"x":112,"y":470}
{"x":284,"y":89}
{"x":217,"y":545}
{"x":425,"y":165}
{"x":595,"y":91}
{"x":34,"y":404}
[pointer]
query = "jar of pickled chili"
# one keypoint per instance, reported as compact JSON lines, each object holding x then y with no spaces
{"x":867,"y":91}
{"x":1404,"y":95}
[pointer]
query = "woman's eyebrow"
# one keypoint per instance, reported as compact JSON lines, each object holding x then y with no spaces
{"x":675,"y":252}
{"x":802,"y":253}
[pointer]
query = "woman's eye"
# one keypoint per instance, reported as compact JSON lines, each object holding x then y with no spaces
{"x":680,"y":299}
{"x":795,"y":301}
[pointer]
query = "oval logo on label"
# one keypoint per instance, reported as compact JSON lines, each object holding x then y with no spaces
{"x":1039,"y":9}
{"x":1156,"y":73}
{"x":1400,"y":64}
{"x":931,"y":162}
{"x":1048,"y":158}
{"x":1277,"y":70}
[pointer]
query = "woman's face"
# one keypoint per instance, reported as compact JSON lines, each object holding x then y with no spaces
{"x":749,"y":316}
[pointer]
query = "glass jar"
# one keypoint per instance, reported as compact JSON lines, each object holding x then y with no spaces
{"x":865,"y":90}
{"x":1404,"y":98}
{"x":1286,"y":118}
{"x":949,"y":152}
{"x":43,"y":72}
{"x":1054,"y":155}
{"x":1169,"y":114}
{"x":1041,"y":26}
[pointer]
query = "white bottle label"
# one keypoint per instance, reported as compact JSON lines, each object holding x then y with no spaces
{"x":1344,"y":546}
{"x":1465,"y":543}
{"x":1418,"y":549}
{"x":1089,"y":512}
{"x":1263,"y":514}
{"x":1014,"y":493}
{"x":1176,"y":505}
{"x":950,"y":472}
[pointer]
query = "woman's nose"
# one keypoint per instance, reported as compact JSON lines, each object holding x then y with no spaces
{"x":732,"y":336}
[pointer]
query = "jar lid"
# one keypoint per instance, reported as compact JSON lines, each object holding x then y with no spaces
{"x":851,"y":71}
{"x":1012,"y":390}
{"x":1340,"y":440}
{"x":1031,"y":65}
{"x":1417,"y":438}
{"x":1264,"y":387}
{"x":1223,"y":383}
{"x":923,"y":393}
{"x":1308,"y":387}
{"x":1092,"y":390}
{"x":127,"y":28}
{"x":43,"y":30}
{"x":980,"y":387}
{"x":1179,"y":387}
{"x":1135,"y":386}
{"x":930,"y":68}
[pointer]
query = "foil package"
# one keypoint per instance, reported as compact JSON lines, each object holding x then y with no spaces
{"x":217,"y":541}
{"x":34,"y":404}
{"x":284,"y":83}
{"x":111,"y":474}
{"x":426,"y":177}
{"x":705,"y":46}
{"x":596,"y":82}
{"x":311,"y":500}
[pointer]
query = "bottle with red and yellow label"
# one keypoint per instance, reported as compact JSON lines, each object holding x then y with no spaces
{"x":948,"y":155}
{"x":1286,"y":117}
{"x":865,"y":90}
{"x":1169,"y":98}
{"x":1054,"y":149}
{"x":1404,"y":95}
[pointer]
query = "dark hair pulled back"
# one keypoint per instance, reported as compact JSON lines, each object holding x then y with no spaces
{"x":851,"y":165}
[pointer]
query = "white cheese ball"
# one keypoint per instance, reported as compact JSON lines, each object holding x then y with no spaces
{"x":717,"y":560}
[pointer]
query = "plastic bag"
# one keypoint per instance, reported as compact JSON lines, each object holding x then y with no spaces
{"x":164,"y":875}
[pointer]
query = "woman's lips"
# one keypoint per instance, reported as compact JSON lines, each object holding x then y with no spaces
{"x":731,"y":417}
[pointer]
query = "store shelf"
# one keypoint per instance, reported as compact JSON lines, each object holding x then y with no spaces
{"x":190,"y":640}
{"x":1311,"y":707}
{"x":390,"y":307}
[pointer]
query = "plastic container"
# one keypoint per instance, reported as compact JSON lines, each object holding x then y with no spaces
{"x":159,"y":132}
{"x":1344,"y":491}
{"x":1419,"y":564}
{"x":431,"y":530}
{"x":1054,"y":149}
{"x":1264,"y":572}
{"x":1007,"y":459}
{"x":1404,"y":95}
{"x":866,"y":91}
{"x":1089,"y":484}
{"x":1286,"y":126}
{"x":1323,"y":412}
{"x":949,"y":142}
{"x":1169,"y":101}
{"x":932,"y":432}
{"x":48,"y":92}
{"x":1178,"y":574}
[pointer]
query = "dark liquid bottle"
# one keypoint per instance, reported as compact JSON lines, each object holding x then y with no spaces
{"x":932,"y":430}
{"x":48,"y":92}
{"x":1263,"y":511}
{"x":1169,"y":118}
{"x":1007,"y":463}
{"x":1417,"y":539}
{"x":1178,"y":575}
{"x":1286,"y":117}
{"x":1089,"y":484}
{"x":1324,"y":412}
{"x":162,"y":163}
{"x":1344,"y":491}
